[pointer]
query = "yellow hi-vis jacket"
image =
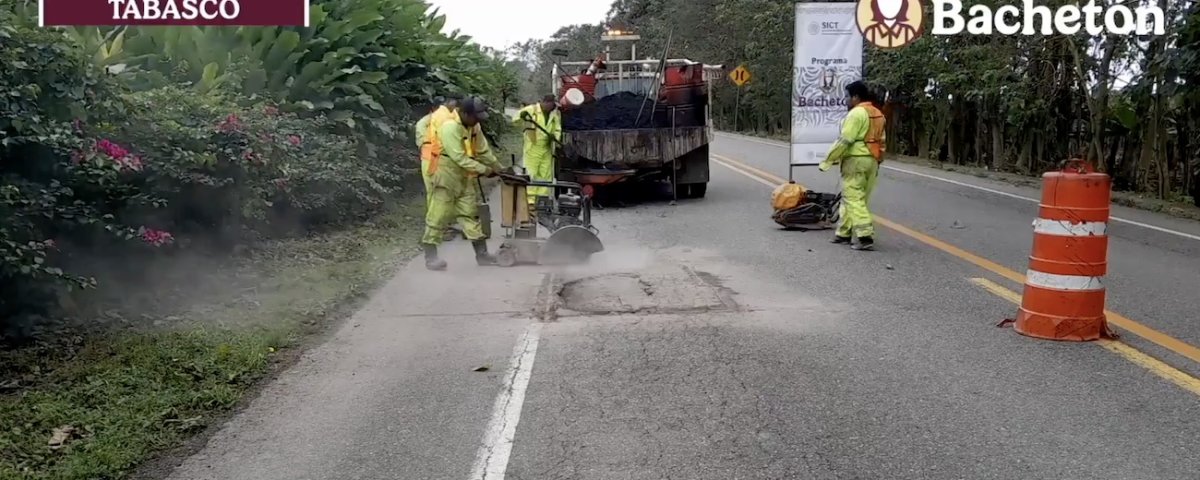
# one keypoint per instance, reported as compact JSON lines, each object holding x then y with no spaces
{"x":461,"y":154}
{"x":536,"y":141}
{"x":863,"y":135}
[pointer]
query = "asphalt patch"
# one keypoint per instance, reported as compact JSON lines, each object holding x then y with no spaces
{"x":655,"y":292}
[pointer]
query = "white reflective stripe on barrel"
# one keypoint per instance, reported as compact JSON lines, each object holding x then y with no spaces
{"x":1063,"y":282}
{"x":1063,"y":228}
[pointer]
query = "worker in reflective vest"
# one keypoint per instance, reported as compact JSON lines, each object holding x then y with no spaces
{"x":542,"y":123}
{"x":859,"y":150}
{"x":459,"y":154}
{"x":442,"y":111}
{"x":422,"y":135}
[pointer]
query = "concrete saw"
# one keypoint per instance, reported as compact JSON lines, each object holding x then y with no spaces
{"x":570,"y":244}
{"x":566,"y":214}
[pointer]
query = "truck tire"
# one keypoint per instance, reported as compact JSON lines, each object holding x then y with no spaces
{"x":696,"y":190}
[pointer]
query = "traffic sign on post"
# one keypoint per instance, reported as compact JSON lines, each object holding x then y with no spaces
{"x":740,"y":76}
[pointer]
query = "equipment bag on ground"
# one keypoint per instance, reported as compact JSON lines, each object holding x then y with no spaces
{"x":797,"y":208}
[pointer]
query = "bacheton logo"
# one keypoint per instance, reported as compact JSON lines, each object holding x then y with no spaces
{"x":889,"y":23}
{"x":1030,"y":19}
{"x":896,"y":23}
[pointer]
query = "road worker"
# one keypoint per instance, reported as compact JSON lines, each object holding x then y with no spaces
{"x":859,"y":150}
{"x":542,"y":123}
{"x":422,"y":136}
{"x":443,"y":108}
{"x":459,"y":154}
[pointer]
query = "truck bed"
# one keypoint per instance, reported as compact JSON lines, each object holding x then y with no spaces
{"x":634,"y":148}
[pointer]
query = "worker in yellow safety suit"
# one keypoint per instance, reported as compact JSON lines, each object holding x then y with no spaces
{"x":859,"y":150}
{"x":538,"y":154}
{"x":443,"y":109}
{"x":459,"y":154}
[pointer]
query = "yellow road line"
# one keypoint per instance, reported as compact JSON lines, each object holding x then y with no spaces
{"x":998,"y":290}
{"x":1161,"y":339}
{"x":1154,"y":365}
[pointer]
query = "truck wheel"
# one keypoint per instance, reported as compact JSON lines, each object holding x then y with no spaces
{"x":695,"y":190}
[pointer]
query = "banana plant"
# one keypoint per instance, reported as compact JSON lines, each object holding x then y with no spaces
{"x":362,"y":63}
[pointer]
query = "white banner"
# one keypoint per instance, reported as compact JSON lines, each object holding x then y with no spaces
{"x":828,"y":57}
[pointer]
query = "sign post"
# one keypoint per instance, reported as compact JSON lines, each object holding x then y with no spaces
{"x":828,"y":56}
{"x":740,"y":76}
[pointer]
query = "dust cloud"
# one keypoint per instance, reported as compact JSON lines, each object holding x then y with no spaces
{"x":620,"y":258}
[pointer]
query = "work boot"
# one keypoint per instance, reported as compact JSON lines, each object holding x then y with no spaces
{"x":840,"y":240}
{"x":432,"y":262}
{"x":865,"y":244}
{"x":482,"y":257}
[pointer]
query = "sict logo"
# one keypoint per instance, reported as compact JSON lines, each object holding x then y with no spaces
{"x":1033,"y":19}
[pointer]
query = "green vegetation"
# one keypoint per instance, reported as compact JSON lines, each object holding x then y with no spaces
{"x":179,"y":204}
{"x":122,"y":395}
{"x":1019,"y":104}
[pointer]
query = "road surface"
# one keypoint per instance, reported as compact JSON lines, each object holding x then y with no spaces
{"x":707,"y":344}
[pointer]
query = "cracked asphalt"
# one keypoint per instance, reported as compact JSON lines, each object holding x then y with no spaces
{"x":704,"y":343}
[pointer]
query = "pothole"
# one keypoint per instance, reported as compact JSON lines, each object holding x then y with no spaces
{"x":671,"y":291}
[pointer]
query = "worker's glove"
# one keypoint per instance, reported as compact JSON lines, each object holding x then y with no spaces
{"x":526,"y":117}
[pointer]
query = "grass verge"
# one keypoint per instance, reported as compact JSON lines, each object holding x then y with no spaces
{"x":95,"y":407}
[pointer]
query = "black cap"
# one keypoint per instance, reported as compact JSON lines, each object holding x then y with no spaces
{"x":475,"y":107}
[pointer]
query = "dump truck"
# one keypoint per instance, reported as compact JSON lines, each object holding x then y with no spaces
{"x":637,"y":120}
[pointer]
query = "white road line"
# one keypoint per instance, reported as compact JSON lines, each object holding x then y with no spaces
{"x":985,"y":189}
{"x":491,"y":461}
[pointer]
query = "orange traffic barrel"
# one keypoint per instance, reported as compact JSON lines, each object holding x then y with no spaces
{"x":1064,"y":287}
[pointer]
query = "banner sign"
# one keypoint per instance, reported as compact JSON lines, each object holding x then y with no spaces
{"x":828,"y":57}
{"x":173,"y":12}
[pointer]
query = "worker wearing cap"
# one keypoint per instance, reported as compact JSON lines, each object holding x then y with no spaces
{"x":542,"y":124}
{"x":459,"y":154}
{"x":859,"y":150}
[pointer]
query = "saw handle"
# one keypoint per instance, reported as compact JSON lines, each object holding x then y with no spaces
{"x":514,"y":179}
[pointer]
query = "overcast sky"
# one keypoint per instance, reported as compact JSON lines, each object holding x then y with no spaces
{"x":500,"y":23}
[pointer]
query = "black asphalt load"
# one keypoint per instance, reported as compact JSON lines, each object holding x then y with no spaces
{"x":618,"y":111}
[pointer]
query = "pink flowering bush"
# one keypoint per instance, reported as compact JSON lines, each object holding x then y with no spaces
{"x":251,"y":170}
{"x":106,"y":154}
{"x":156,"y":171}
{"x":154,"y":237}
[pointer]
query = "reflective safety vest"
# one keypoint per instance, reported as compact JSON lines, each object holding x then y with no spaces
{"x":875,"y":132}
{"x":433,"y":154}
